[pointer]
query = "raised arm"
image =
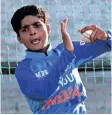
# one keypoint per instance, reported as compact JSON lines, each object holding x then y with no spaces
{"x":100,"y":42}
{"x":65,"y":36}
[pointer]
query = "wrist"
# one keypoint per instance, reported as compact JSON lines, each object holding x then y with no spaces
{"x":109,"y":34}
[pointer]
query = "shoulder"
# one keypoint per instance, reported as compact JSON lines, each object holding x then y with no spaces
{"x":60,"y":47}
{"x":24,"y":64}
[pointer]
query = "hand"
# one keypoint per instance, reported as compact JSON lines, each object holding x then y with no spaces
{"x":97,"y":34}
{"x":65,"y":36}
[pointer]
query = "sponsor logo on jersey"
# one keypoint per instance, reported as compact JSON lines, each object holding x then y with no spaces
{"x":62,"y":97}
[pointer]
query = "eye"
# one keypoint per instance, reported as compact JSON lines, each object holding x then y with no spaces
{"x":24,"y":29}
{"x":36,"y":25}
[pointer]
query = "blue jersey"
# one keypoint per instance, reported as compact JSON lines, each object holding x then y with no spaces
{"x":51,"y":83}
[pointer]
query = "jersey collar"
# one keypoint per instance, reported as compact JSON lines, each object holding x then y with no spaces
{"x":39,"y":55}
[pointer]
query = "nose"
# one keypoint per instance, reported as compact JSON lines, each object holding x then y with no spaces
{"x":32,"y":31}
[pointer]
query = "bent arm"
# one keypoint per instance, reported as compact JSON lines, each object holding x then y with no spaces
{"x":86,"y":51}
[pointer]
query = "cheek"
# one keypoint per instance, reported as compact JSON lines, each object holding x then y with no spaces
{"x":24,"y":38}
{"x":24,"y":35}
{"x":44,"y":34}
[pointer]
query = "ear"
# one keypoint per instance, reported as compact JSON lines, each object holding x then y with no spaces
{"x":48,"y":29}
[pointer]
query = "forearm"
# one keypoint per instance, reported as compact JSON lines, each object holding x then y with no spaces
{"x":67,"y":42}
{"x":86,"y":51}
{"x":65,"y":36}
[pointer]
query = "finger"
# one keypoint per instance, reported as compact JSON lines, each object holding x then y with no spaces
{"x":93,"y":35}
{"x":62,"y":26}
{"x":104,"y":35}
{"x":90,"y":27}
{"x":65,"y":22}
{"x":98,"y":35}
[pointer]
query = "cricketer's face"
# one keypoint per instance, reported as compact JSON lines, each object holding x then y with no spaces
{"x":34,"y":33}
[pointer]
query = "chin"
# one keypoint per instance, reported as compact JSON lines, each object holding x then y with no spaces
{"x":38,"y":48}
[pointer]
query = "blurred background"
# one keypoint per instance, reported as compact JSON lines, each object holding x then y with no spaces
{"x":96,"y":74}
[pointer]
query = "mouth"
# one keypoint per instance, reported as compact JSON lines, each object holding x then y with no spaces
{"x":35,"y":41}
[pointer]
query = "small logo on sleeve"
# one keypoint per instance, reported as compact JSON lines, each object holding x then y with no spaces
{"x":82,"y":43}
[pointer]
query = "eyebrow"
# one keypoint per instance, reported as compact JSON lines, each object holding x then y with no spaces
{"x":26,"y":26}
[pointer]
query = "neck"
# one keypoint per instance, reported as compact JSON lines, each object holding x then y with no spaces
{"x":44,"y":50}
